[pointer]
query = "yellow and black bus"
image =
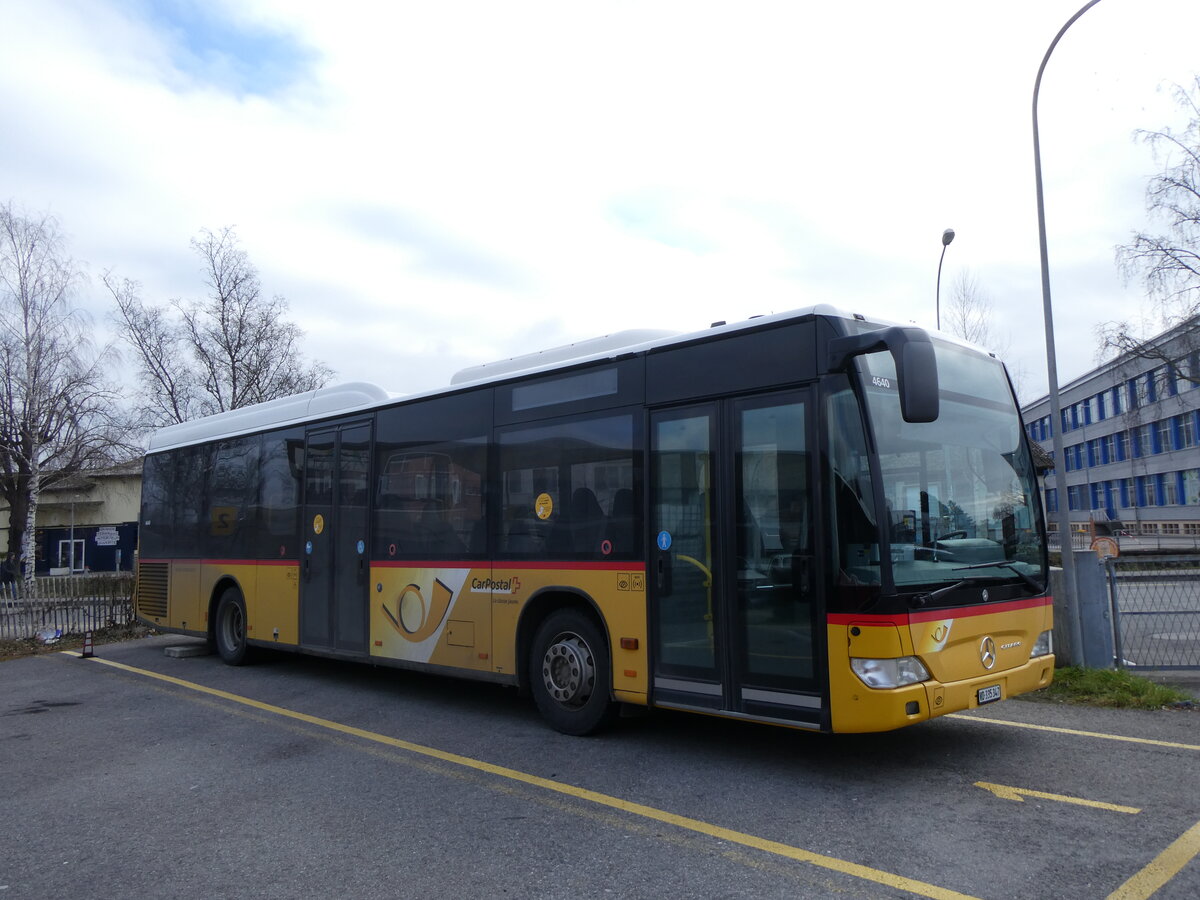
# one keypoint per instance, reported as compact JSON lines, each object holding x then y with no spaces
{"x":809,"y":519}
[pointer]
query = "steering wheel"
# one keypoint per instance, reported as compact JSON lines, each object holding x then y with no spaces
{"x":951,"y":536}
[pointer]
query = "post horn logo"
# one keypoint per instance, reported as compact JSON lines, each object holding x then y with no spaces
{"x":987,"y":652}
{"x":413,"y":618}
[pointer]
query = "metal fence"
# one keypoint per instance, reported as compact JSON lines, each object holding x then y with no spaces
{"x":69,"y":604}
{"x":1156,"y":610}
{"x":1131,"y":543}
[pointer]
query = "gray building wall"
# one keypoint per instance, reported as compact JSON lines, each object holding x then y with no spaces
{"x":1132,"y":440}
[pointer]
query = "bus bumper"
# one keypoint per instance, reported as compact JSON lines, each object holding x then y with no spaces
{"x":863,"y":709}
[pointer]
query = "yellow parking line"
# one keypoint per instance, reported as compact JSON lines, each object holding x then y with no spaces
{"x":899,"y":882}
{"x":1162,"y":868}
{"x":1092,"y":734}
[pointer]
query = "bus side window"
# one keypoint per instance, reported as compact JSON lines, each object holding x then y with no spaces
{"x":429,"y":500}
{"x":558,"y":478}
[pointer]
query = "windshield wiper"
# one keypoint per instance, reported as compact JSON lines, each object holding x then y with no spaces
{"x":934,"y":596}
{"x":1012,"y":567}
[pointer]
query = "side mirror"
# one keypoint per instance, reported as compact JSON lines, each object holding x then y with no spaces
{"x":916,"y":365}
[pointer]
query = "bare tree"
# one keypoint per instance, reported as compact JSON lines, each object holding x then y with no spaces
{"x":233,"y":349}
{"x":969,"y":316}
{"x":1166,"y":258}
{"x":969,"y":311}
{"x":57,"y":412}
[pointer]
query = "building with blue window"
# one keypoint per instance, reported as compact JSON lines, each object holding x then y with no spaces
{"x":1131,"y":436}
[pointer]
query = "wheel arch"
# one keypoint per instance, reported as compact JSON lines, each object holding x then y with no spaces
{"x":538,"y":608}
{"x":222,"y":584}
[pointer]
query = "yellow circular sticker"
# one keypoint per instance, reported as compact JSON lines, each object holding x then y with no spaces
{"x":544,"y":507}
{"x":318,"y":523}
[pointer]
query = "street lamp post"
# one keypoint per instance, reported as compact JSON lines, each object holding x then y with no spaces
{"x":947,"y":237}
{"x":1064,"y":518}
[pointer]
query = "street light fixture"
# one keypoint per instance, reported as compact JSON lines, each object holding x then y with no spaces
{"x":947,"y":237}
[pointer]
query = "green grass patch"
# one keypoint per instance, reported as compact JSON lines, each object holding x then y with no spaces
{"x":1115,"y":688}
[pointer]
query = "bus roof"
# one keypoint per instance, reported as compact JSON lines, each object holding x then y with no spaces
{"x":363,"y":396}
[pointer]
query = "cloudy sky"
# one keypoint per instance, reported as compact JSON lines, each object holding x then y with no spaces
{"x":434,"y":185}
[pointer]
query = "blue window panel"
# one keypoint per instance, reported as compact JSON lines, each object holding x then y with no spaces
{"x":1160,"y":498}
{"x":1140,"y":488}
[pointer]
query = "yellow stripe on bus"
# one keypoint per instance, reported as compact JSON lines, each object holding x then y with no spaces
{"x":899,"y":882}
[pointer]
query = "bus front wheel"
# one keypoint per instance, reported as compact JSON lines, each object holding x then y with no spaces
{"x":230,"y":628}
{"x":569,"y":674}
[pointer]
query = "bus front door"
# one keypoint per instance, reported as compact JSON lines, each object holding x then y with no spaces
{"x":732,"y":573}
{"x":334,"y":571}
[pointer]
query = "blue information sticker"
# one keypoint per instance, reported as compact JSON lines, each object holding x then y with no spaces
{"x":308,"y":547}
{"x":361,"y":548}
{"x":664,"y":540}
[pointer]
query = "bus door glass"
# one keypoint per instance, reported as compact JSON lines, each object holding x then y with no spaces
{"x":334,"y":567}
{"x":773,"y":667}
{"x":683,"y":557}
{"x":732,"y":558}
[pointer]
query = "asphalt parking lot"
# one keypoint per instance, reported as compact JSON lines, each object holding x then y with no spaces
{"x":136,"y":774}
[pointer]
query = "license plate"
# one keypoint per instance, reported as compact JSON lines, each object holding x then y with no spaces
{"x":988,"y":694}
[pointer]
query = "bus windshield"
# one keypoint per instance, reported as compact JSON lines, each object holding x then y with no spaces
{"x":960,"y":492}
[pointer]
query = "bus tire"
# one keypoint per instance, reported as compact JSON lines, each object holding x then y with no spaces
{"x":569,"y":673}
{"x":229,"y":629}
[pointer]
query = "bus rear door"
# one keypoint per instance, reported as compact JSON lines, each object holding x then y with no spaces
{"x":334,"y":570}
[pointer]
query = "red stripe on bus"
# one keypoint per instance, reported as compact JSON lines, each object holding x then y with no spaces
{"x":511,"y":565}
{"x":228,"y":562}
{"x":428,"y":564}
{"x":935,"y":615}
{"x":565,"y":565}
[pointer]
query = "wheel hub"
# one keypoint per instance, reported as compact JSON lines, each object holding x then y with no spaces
{"x":568,"y":670}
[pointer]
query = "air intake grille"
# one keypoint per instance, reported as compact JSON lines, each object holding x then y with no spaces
{"x":152,"y":589}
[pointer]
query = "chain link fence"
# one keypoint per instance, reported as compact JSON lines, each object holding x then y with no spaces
{"x":68,"y":604}
{"x":1156,"y":610}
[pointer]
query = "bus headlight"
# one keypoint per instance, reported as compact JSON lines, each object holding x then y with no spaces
{"x":889,"y":673}
{"x":1043,"y":646}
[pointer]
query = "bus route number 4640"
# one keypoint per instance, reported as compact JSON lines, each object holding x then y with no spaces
{"x":880,"y":382}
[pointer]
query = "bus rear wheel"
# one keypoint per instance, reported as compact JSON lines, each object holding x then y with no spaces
{"x":569,"y":673}
{"x":229,"y":629}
